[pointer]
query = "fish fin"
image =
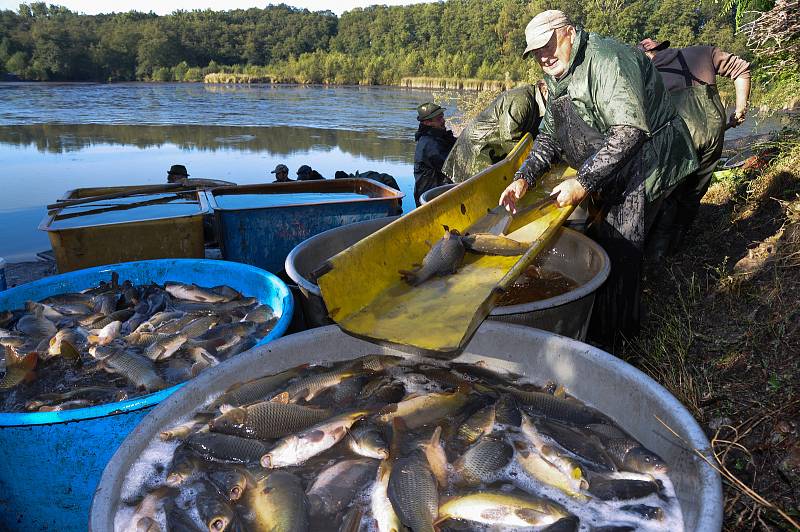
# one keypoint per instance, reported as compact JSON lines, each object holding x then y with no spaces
{"x":266,"y":462}
{"x":521,"y":448}
{"x":225,"y":407}
{"x":314,"y":435}
{"x":599,"y":444}
{"x":69,"y":351}
{"x":436,"y":436}
{"x":281,"y":398}
{"x":29,"y":361}
{"x":388,"y":409}
{"x":529,"y":515}
{"x":409,"y":276}
{"x":301,"y":394}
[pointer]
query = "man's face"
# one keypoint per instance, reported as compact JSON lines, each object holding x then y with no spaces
{"x":554,"y":56}
{"x":436,"y":121}
{"x":283,"y":175}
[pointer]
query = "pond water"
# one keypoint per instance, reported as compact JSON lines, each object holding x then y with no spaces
{"x":56,"y":137}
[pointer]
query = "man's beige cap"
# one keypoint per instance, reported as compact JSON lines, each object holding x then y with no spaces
{"x":541,"y":28}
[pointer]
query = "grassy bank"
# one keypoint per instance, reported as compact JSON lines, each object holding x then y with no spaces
{"x":723,"y":335}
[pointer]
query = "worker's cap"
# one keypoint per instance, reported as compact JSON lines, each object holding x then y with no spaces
{"x":649,"y":45}
{"x":541,"y":27}
{"x":429,"y":110}
{"x":280,"y":168}
{"x":305,"y":169}
{"x":177,"y":169}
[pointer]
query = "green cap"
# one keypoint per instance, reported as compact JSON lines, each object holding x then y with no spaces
{"x":429,"y":110}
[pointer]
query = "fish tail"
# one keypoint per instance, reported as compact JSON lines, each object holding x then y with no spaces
{"x":410,"y":277}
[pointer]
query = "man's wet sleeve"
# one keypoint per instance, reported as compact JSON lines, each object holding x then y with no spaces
{"x":543,"y":154}
{"x":621,"y":143}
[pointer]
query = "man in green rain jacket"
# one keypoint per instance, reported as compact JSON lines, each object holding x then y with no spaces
{"x":495,"y":131}
{"x":608,"y":116}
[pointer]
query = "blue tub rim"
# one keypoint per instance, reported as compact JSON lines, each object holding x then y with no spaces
{"x":17,"y":419}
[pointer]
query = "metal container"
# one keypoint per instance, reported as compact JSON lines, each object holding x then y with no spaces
{"x":263,"y":236}
{"x":153,"y":238}
{"x":573,"y":255}
{"x":435,"y":192}
{"x":51,"y":462}
{"x":603,"y":381}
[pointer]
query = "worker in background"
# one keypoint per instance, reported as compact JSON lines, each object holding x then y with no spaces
{"x":610,"y":117}
{"x":178,"y":174}
{"x":281,"y":174}
{"x":380,"y":177}
{"x":305,"y":173}
{"x":434,"y":142}
{"x":690,"y":74}
{"x":496,"y":130}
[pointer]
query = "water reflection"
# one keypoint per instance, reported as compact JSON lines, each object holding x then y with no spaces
{"x":278,"y":140}
{"x":43,"y":161}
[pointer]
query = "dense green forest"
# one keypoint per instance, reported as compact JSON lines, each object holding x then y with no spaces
{"x":376,"y":45}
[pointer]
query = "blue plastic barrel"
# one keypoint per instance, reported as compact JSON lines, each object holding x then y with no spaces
{"x":51,"y":462}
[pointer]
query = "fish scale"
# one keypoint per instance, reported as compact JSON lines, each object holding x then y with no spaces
{"x":413,"y":493}
{"x":278,"y":503}
{"x":549,"y":406}
{"x":120,"y":315}
{"x":310,"y":386}
{"x":137,"y":369}
{"x":199,"y":326}
{"x":478,"y":424}
{"x":269,"y":420}
{"x":256,"y":390}
{"x":443,"y":258}
{"x":482,"y":461}
{"x":226,"y":448}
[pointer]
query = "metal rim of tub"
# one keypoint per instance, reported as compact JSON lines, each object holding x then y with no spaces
{"x":13,"y":419}
{"x":581,"y":291}
{"x":302,"y":280}
{"x":573,"y":295}
{"x":709,"y":488}
{"x":435,"y":192}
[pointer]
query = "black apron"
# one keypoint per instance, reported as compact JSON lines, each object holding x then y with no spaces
{"x":617,"y":224}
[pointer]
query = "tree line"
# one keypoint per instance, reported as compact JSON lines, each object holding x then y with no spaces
{"x":480,"y":39}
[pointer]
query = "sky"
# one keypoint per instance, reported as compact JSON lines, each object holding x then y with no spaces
{"x":163,"y":7}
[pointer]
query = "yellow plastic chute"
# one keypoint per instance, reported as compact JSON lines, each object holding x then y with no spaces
{"x":366,"y":297}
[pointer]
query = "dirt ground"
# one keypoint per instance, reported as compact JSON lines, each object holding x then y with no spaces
{"x":722,"y":333}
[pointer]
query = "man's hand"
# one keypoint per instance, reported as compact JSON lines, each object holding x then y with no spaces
{"x":737,"y":117}
{"x":512,"y":194}
{"x":569,"y":192}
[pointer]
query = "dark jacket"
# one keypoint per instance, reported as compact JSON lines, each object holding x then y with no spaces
{"x":433,"y":146}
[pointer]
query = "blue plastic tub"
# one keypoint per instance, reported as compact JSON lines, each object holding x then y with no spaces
{"x":51,"y":462}
{"x":263,"y":233}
